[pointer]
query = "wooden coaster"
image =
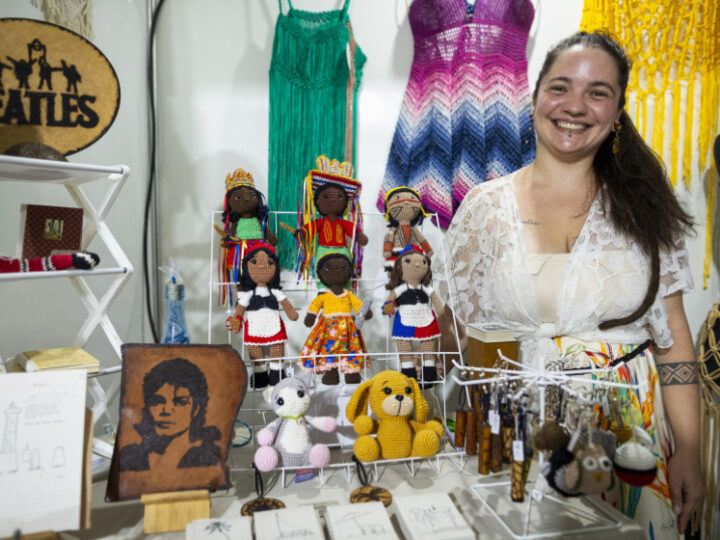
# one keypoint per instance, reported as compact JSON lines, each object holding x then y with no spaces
{"x":371,"y":494}
{"x":260,"y":504}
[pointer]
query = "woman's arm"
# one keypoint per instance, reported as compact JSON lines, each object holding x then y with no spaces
{"x":677,"y":373}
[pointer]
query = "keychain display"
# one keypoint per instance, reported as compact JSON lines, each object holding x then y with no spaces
{"x":404,"y":214}
{"x":416,"y":307}
{"x":257,"y":309}
{"x":260,"y":503}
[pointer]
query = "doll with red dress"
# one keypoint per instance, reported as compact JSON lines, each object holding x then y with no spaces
{"x":257,"y":309}
{"x":415,"y":305}
{"x":331,"y":192}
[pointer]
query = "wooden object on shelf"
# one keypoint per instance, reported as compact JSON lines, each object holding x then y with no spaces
{"x":483,"y":347}
{"x":172,"y":511}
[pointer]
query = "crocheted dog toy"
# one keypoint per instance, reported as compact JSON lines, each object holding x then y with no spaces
{"x":285,"y":442}
{"x":392,"y":397}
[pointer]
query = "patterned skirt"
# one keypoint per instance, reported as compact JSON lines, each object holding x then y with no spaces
{"x":650,"y":506}
{"x":334,"y":336}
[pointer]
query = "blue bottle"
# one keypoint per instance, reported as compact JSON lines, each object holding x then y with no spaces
{"x":175,"y":327}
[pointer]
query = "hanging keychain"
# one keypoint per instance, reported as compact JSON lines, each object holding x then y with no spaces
{"x":483,"y":433}
{"x":508,"y":429}
{"x":260,"y":503}
{"x":460,"y":420}
{"x":517,"y":472}
{"x":496,"y":448}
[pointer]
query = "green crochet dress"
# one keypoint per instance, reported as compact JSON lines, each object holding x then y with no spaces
{"x":310,"y":81}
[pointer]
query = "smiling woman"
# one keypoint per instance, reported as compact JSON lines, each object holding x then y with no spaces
{"x":581,"y":255}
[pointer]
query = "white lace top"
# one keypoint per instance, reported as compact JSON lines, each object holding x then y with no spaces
{"x":606,"y":276}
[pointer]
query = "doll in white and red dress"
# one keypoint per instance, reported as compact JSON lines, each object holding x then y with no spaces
{"x":259,"y":300}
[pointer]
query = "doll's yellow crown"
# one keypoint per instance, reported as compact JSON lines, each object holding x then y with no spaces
{"x":239,"y":178}
{"x":344,"y":169}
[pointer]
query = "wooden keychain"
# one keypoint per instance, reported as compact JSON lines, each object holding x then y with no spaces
{"x":260,"y":503}
{"x":368,"y":493}
{"x":495,"y":435}
{"x":484,"y":437}
{"x":519,"y":458}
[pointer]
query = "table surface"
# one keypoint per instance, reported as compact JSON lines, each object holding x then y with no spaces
{"x":460,"y":480}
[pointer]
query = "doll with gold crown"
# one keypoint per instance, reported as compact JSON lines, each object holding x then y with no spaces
{"x":245,"y":218}
{"x":330,"y":219}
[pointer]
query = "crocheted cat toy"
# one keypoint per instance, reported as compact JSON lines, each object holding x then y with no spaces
{"x":393,"y":397}
{"x":404,"y":213}
{"x":285,"y":442}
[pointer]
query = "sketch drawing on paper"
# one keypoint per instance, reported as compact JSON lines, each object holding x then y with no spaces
{"x":356,"y":524}
{"x":435,"y":518}
{"x":9,"y":461}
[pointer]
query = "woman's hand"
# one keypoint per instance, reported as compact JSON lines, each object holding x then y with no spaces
{"x":687,"y":486}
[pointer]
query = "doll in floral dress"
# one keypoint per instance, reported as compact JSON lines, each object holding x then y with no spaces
{"x":335,"y":342}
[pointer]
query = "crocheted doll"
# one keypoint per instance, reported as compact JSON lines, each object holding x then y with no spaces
{"x":285,"y":442}
{"x":333,"y":193}
{"x":404,"y":213}
{"x":335,"y":332}
{"x":258,"y":302}
{"x":245,"y":216}
{"x":81,"y":260}
{"x":393,"y":397}
{"x":417,"y":308}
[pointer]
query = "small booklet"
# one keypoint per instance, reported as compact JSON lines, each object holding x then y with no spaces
{"x":367,"y":521}
{"x":238,"y":528}
{"x":62,"y":358}
{"x":431,"y":516}
{"x":47,"y":229}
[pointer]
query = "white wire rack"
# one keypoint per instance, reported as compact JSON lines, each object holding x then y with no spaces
{"x":257,"y":414}
{"x":581,"y":514}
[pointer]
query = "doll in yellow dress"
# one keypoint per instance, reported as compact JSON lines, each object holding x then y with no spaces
{"x":335,"y":333}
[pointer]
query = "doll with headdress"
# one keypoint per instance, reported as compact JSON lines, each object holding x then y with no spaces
{"x":259,"y":300}
{"x":415,"y":305}
{"x":404,"y":213}
{"x":245,"y":217}
{"x":335,"y":341}
{"x":332,"y":192}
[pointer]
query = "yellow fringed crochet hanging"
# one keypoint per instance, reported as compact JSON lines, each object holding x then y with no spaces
{"x":675,"y":49}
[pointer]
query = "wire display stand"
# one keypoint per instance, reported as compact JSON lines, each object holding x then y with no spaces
{"x":256,"y":413}
{"x":576,"y":515}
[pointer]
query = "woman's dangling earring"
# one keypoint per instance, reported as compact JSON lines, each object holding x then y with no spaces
{"x":616,"y":140}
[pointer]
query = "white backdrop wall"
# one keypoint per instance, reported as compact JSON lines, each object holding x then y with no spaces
{"x":213,"y":60}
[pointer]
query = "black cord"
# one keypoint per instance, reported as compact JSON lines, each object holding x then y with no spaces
{"x":151,"y":177}
{"x":362,"y":473}
{"x":259,"y":487}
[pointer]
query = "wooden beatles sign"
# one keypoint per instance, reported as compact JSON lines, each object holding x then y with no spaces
{"x":56,"y":87}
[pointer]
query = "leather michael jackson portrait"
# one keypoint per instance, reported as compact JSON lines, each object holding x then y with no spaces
{"x":178,"y":404}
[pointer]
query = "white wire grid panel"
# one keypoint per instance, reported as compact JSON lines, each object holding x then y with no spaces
{"x":331,"y":400}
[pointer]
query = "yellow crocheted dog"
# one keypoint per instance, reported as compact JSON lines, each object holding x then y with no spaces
{"x":393,"y":397}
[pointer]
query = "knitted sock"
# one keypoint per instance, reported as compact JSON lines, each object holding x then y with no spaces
{"x":276,"y":373}
{"x":259,"y":377}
